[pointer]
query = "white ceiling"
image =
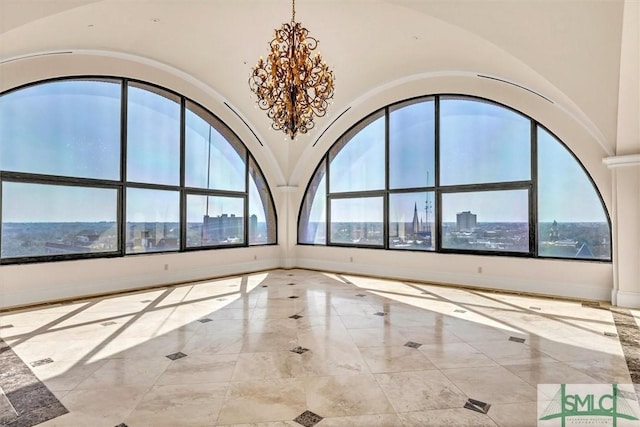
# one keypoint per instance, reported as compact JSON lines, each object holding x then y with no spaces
{"x":565,"y":50}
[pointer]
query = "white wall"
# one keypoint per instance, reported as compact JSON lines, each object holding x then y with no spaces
{"x":32,"y":283}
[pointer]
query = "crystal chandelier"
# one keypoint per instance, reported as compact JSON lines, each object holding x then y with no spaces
{"x":293,"y":84}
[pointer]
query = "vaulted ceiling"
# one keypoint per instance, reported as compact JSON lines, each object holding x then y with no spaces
{"x":565,"y":50}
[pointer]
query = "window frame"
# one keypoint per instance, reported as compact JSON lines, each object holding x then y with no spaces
{"x":531,"y":185}
{"x":122,"y":184}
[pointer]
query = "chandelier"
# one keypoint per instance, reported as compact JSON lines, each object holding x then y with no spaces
{"x":293,"y":85}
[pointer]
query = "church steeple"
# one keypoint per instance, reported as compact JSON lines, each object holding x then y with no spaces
{"x":416,"y":221}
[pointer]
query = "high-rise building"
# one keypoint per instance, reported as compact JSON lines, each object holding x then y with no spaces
{"x":466,"y":221}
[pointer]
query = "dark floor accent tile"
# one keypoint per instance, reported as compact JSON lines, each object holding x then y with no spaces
{"x":146,"y":301}
{"x":205,"y":320}
{"x":535,"y":308}
{"x":295,"y":316}
{"x":300,"y":350}
{"x":517,"y":339}
{"x":41,"y":362}
{"x":122,"y":425}
{"x":108,"y":323}
{"x":610,"y":334}
{"x":629,"y":336}
{"x":26,"y":400}
{"x":478,"y":406}
{"x":308,"y":419}
{"x":264,"y":286}
{"x":176,"y":356}
{"x":293,"y":297}
{"x":593,"y":304}
{"x":361,"y":295}
{"x":291,"y":284}
{"x":459,"y":311}
{"x":379,"y":313}
{"x":6,"y":326}
{"x":412,"y":344}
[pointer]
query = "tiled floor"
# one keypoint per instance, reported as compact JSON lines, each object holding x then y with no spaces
{"x":348,"y":351}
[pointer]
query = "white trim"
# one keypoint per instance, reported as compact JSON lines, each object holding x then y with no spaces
{"x":509,"y":284}
{"x":620,"y":161}
{"x":626,"y":299}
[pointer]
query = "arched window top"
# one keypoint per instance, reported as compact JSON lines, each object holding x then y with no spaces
{"x":116,"y":166}
{"x":455,"y":173}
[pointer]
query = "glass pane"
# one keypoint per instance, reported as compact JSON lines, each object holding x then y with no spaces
{"x":572,"y":222}
{"x":357,"y":221}
{"x":40,"y":220}
{"x":312,"y":224}
{"x":486,"y":221}
{"x":262,"y":215}
{"x":412,"y":145}
{"x":411,"y":221}
{"x":357,"y":160}
{"x":153,"y":136}
{"x":211,"y":159}
{"x":214,"y":220}
{"x":68,"y":128}
{"x":153,"y":220}
{"x":482,"y":142}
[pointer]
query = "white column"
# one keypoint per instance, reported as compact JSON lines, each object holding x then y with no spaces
{"x":625,"y":167}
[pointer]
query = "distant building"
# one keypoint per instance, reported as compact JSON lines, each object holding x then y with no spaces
{"x":222,"y":228}
{"x":466,"y":221}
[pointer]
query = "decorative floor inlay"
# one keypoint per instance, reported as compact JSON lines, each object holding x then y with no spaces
{"x":295,"y":316}
{"x":591,"y":304}
{"x":264,"y":286}
{"x":41,"y":362}
{"x":629,"y":336}
{"x":412,"y":344}
{"x":478,"y":406}
{"x":108,"y":323}
{"x":25,"y":400}
{"x":300,"y":350}
{"x":291,"y":284}
{"x":293,"y":297}
{"x":517,"y":339}
{"x":379,"y":313}
{"x":361,"y":295}
{"x":308,"y":419}
{"x":176,"y":356}
{"x":122,"y":425}
{"x":6,"y":326}
{"x":205,"y":320}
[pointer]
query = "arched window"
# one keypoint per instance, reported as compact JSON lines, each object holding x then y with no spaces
{"x":94,"y":167}
{"x":456,"y":174}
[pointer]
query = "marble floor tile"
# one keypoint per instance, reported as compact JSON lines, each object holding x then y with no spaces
{"x":514,"y":414}
{"x":192,"y":405}
{"x":353,"y":368}
{"x":336,"y":396}
{"x":395,"y":359}
{"x":458,"y":417}
{"x":455,"y":355}
{"x":199,"y":368}
{"x":263,"y":401}
{"x":255,"y":366}
{"x":126,"y":373}
{"x":481,"y":384}
{"x":420,"y":391}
